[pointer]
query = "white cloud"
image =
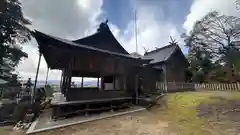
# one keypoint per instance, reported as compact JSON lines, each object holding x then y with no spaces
{"x":152,"y":30}
{"x":200,"y":8}
{"x":69,"y":21}
{"x":66,"y":19}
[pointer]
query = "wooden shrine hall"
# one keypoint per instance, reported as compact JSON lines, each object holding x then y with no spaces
{"x":100,"y":56}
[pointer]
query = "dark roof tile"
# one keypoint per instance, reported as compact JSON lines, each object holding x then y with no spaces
{"x":45,"y":37}
{"x":103,"y":39}
{"x":160,"y":54}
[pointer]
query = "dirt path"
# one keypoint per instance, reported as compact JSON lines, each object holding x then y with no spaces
{"x":141,"y":123}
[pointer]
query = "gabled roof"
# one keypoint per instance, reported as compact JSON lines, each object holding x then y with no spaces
{"x":45,"y":41}
{"x":103,"y":39}
{"x":161,"y":54}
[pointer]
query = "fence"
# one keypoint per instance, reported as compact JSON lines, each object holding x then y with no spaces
{"x":220,"y":87}
{"x":173,"y":86}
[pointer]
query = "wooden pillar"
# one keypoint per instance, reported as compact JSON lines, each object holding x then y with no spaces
{"x":125,"y":83}
{"x":35,"y":83}
{"x":64,"y":81}
{"x":98,"y":82}
{"x":69,"y":72}
{"x":165,"y":77}
{"x":70,"y":81}
{"x":46,"y":77}
{"x":67,"y":82}
{"x":114,"y":82}
{"x":82,"y":83}
{"x":136,"y":87}
{"x":61,"y":80}
{"x":102,"y":82}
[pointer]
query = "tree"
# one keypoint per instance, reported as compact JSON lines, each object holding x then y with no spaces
{"x":200,"y":65}
{"x":235,"y":60}
{"x":216,"y":35}
{"x":13,"y":31}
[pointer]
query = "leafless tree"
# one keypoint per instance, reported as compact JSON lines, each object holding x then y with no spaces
{"x":215,"y":34}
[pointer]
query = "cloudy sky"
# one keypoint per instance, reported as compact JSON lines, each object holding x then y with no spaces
{"x":157,"y":20}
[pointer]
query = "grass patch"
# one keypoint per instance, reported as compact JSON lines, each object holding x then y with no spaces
{"x":182,"y":112}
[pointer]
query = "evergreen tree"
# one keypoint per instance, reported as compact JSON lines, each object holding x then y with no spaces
{"x":13,"y":32}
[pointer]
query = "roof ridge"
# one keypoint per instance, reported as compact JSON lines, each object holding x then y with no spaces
{"x":106,"y":28}
{"x":87,"y":36}
{"x":161,"y":48}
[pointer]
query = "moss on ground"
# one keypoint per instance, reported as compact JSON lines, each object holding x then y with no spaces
{"x":182,"y":112}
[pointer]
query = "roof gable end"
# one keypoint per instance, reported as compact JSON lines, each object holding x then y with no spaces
{"x":103,"y":39}
{"x":161,"y":54}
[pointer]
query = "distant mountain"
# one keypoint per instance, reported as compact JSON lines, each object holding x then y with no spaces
{"x":41,"y":83}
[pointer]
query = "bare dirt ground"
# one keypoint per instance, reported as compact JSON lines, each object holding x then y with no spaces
{"x":123,"y":125}
{"x":224,"y":115}
{"x":131,"y":124}
{"x":186,"y":113}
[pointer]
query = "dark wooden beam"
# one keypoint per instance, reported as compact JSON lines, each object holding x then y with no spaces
{"x":35,"y":83}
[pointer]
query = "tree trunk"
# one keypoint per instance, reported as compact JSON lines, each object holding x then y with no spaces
{"x":229,"y":62}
